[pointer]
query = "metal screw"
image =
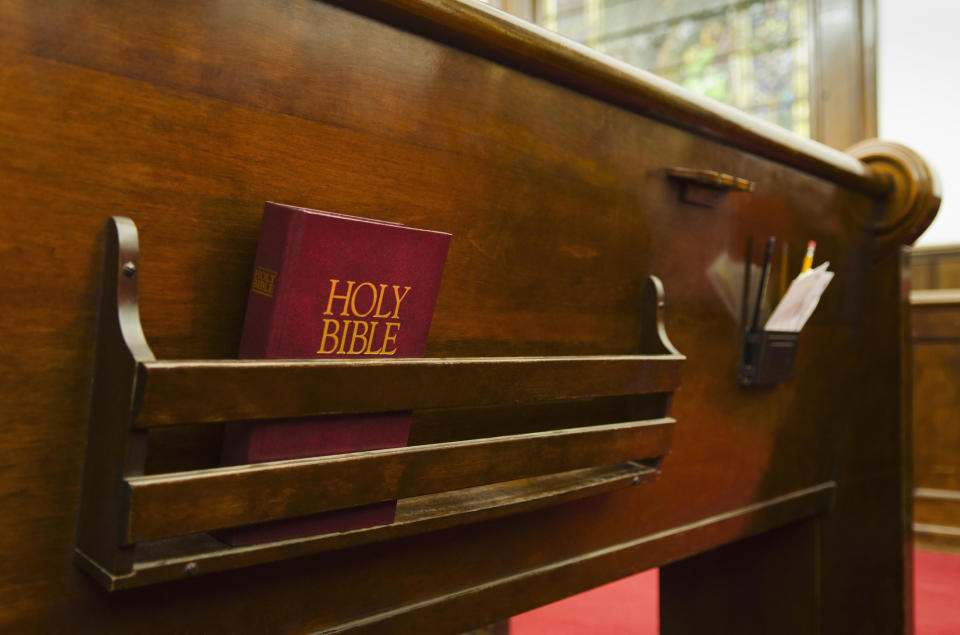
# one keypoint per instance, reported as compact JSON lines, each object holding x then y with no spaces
{"x":191,"y":569}
{"x":636,"y":479}
{"x":129,"y":269}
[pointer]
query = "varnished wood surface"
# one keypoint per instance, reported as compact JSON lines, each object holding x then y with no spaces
{"x":187,"y":116}
{"x":504,"y":38}
{"x":946,"y":298}
{"x":591,"y":569}
{"x":779,"y":566}
{"x":472,"y":480}
{"x":937,"y":507}
{"x":188,"y":502}
{"x":163,"y":561}
{"x":935,"y":268}
{"x":935,"y":316}
{"x":176,"y":392}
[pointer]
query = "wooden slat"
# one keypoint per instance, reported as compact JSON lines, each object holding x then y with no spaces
{"x":935,"y":297}
{"x":189,"y":502}
{"x":930,"y":493}
{"x":938,"y":511}
{"x":936,"y":537}
{"x":172,"y":392}
{"x":935,"y":322}
{"x":168,"y":560}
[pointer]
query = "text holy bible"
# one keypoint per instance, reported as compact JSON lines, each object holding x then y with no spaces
{"x":329,"y":285}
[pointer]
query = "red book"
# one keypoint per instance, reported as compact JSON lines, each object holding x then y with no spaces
{"x":330,"y":285}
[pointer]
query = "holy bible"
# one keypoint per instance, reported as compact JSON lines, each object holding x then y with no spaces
{"x":329,"y":285}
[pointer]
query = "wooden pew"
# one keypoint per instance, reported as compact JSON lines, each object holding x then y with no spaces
{"x":565,"y":180}
{"x":935,"y":316}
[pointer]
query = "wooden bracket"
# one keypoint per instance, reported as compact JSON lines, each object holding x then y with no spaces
{"x":136,"y":529}
{"x":706,"y":187}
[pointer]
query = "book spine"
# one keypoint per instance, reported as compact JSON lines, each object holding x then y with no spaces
{"x":265,"y":286}
{"x":267,"y":282}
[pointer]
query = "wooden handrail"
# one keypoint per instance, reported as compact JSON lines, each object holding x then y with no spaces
{"x":479,"y":29}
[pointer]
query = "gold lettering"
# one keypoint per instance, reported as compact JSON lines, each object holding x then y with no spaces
{"x":343,"y":338}
{"x":387,"y":337}
{"x":357,"y":335}
{"x":383,"y":287}
{"x":327,"y":323}
{"x":263,"y":281}
{"x":334,"y":296}
{"x":353,"y":300}
{"x":373,"y":331}
{"x":396,"y":294}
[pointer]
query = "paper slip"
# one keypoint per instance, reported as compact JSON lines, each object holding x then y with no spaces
{"x":801,"y":299}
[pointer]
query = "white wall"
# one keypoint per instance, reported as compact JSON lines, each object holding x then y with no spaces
{"x":919,"y":94}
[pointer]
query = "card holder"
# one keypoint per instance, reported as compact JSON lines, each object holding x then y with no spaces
{"x":767,"y":358}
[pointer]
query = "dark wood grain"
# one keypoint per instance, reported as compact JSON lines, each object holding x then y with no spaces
{"x":935,"y":267}
{"x":589,"y":570}
{"x":174,"y":504}
{"x":167,"y":560}
{"x":187,"y":116}
{"x":157,"y":507}
{"x":935,"y":316}
{"x":937,"y":507}
{"x":778,"y":566}
{"x":175,"y":392}
{"x":515,"y":42}
{"x":113,"y":450}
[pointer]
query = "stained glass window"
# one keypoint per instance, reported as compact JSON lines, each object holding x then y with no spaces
{"x":750,"y":54}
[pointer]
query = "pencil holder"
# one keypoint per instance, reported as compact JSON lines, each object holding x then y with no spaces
{"x":767,"y":357}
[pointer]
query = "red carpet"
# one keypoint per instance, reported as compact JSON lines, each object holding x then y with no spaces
{"x":630,"y":605}
{"x":625,"y":606}
{"x":936,"y":593}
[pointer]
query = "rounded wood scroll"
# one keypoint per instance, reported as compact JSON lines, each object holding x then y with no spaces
{"x":915,"y":190}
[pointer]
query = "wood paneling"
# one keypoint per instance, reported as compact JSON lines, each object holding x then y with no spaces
{"x":754,"y":568}
{"x":935,"y":267}
{"x":935,"y":315}
{"x":175,"y":392}
{"x":187,"y":502}
{"x":547,"y":164}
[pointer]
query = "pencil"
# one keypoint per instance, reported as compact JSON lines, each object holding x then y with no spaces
{"x":808,"y":259}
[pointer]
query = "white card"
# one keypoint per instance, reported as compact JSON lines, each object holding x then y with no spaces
{"x":800,"y":300}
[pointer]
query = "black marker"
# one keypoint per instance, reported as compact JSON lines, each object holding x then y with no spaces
{"x":744,"y":299}
{"x":764,"y":274}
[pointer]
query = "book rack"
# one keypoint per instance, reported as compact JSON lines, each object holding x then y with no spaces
{"x":136,"y":529}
